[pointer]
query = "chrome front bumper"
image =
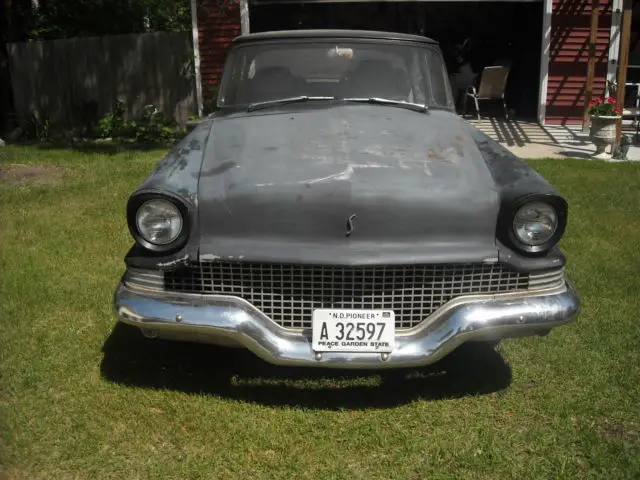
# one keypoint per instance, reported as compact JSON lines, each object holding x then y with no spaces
{"x":229,"y":320}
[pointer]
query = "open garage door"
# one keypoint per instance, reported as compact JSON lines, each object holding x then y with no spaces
{"x":472,"y":35}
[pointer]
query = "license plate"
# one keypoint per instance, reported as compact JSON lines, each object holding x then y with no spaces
{"x":342,"y":330}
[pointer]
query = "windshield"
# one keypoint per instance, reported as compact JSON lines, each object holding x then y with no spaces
{"x":264,"y":72}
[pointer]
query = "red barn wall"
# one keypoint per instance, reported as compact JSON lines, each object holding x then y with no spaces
{"x":568,"y":58}
{"x":218,"y":24}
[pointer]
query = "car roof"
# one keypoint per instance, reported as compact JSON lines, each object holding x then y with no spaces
{"x":328,"y":34}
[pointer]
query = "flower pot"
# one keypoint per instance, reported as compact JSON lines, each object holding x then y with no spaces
{"x":603,"y":132}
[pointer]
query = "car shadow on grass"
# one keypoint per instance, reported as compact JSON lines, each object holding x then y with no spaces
{"x":132,"y":360}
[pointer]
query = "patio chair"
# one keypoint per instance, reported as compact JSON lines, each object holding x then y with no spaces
{"x":493,"y":81}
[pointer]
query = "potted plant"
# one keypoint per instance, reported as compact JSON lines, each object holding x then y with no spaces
{"x":604,"y":114}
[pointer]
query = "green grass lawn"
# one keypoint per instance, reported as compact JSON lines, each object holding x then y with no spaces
{"x":83,"y":398}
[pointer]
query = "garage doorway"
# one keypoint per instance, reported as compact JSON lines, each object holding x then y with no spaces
{"x":471,"y":34}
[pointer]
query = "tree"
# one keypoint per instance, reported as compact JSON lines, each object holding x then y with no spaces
{"x":51,"y":19}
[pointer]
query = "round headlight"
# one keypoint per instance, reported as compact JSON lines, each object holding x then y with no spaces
{"x":158,"y":221}
{"x":535,"y":223}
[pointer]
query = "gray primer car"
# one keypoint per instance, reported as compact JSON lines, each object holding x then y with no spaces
{"x":335,"y":211}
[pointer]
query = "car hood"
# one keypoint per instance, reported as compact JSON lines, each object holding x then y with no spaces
{"x":352,"y":184}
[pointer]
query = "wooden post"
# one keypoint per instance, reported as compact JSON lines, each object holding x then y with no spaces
{"x":244,"y":17}
{"x":196,"y":56}
{"x":625,"y":37}
{"x":591,"y":66}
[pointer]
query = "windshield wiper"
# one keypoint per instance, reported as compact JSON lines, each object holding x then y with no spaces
{"x":285,"y":101}
{"x":418,"y":107}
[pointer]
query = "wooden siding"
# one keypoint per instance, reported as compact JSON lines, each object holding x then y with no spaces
{"x":568,"y":58}
{"x":218,"y":24}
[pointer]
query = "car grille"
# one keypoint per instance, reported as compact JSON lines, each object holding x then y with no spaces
{"x":288,"y":294}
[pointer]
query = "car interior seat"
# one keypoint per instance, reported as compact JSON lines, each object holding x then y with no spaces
{"x":375,"y":78}
{"x":271,"y":83}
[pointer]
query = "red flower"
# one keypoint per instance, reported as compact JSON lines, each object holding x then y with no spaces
{"x":616,"y":111}
{"x":611,"y":100}
{"x":592,"y":103}
{"x":598,"y":100}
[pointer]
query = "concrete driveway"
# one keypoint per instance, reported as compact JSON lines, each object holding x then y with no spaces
{"x":532,"y":140}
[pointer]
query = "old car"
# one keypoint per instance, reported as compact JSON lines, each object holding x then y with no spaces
{"x":334,"y":211}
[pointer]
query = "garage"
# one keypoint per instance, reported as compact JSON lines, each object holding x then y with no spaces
{"x":546,"y":42}
{"x":472,"y":35}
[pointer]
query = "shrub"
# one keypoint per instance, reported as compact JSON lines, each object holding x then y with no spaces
{"x":35,"y":126}
{"x":153,"y":127}
{"x":210,"y":97}
{"x":112,"y":123}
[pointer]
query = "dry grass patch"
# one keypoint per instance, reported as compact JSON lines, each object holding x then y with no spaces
{"x":20,"y":174}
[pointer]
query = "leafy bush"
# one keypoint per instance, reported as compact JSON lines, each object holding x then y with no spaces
{"x":112,"y":123}
{"x":210,"y":97}
{"x":154,"y":127}
{"x":35,"y":126}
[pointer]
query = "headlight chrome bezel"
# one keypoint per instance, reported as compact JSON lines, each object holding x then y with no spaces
{"x":507,"y":227}
{"x":134,"y":205}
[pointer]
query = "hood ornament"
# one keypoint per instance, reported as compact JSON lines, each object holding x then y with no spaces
{"x":350,"y":226}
